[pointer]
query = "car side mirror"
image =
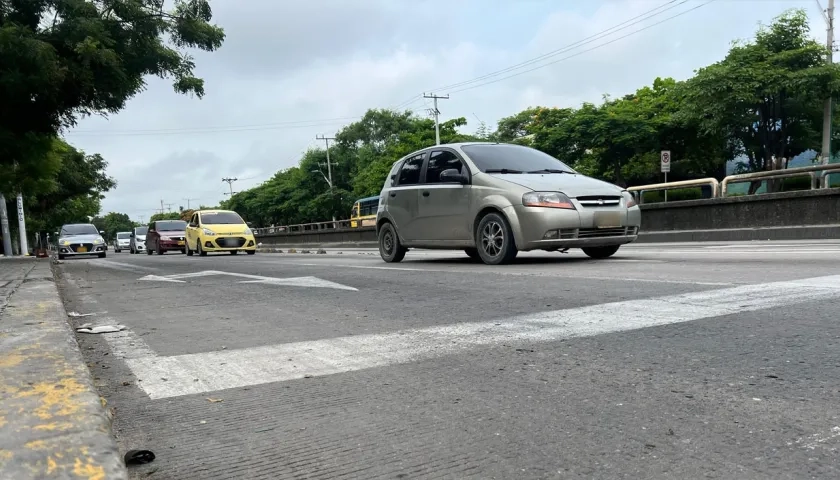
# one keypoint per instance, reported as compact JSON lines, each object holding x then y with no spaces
{"x":453,"y":176}
{"x":102,"y":232}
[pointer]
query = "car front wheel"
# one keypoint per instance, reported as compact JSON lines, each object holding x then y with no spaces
{"x":600,"y":252}
{"x":390,"y":248}
{"x":495,"y":240}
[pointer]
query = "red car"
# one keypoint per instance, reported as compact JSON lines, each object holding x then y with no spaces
{"x":166,"y":235}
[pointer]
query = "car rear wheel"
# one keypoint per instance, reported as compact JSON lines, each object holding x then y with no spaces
{"x":600,"y":252}
{"x":390,"y":248}
{"x":495,"y":240}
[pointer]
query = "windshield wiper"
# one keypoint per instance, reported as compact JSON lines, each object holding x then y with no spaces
{"x":549,"y":170}
{"x":502,"y":170}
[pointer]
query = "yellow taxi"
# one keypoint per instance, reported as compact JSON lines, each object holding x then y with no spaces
{"x":219,"y":231}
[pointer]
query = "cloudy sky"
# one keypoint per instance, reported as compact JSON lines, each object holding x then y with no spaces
{"x":292,"y":69}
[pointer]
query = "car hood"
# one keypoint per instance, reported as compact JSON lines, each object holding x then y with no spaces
{"x":572,"y":185}
{"x":227,"y":228}
{"x":79,"y":238}
{"x":174,"y":233}
{"x":140,"y":237}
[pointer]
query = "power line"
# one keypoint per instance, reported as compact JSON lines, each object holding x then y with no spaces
{"x":615,"y":28}
{"x":583,"y":51}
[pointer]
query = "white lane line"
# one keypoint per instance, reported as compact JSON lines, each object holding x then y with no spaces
{"x":164,"y":377}
{"x":535,"y":273}
{"x":120,"y":265}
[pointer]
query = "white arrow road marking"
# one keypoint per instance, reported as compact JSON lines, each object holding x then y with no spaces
{"x":211,"y":371}
{"x":314,"y":282}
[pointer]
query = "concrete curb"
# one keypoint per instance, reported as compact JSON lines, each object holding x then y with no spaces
{"x":53,"y":424}
{"x":805,"y":232}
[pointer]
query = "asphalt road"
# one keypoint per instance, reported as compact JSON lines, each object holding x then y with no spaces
{"x":666,"y":361}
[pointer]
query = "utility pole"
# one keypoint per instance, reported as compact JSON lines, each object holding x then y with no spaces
{"x":329,"y":167}
{"x":188,"y":201}
{"x":826,"y":137}
{"x":436,"y":113}
{"x":24,"y":245}
{"x":161,"y":206}
{"x":4,"y":227}
{"x":169,"y":207}
{"x":230,"y":183}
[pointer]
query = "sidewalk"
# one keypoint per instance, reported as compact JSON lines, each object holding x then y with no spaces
{"x":52,"y":422}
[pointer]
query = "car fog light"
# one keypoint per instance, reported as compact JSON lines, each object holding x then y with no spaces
{"x":551,"y":234}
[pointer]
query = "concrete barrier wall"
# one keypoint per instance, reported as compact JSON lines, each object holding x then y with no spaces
{"x":809,"y":214}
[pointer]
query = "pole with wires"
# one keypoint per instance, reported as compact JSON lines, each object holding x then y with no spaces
{"x":826,"y":134}
{"x":436,"y":113}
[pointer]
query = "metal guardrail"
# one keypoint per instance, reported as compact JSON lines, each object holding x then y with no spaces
{"x":305,"y":227}
{"x":819,"y":179}
{"x":786,"y":173}
{"x":639,"y":192}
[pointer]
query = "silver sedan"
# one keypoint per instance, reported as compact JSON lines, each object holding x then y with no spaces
{"x":80,"y":239}
{"x":493,"y":200}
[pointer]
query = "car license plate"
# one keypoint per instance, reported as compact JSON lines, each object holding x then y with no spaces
{"x":608,"y":219}
{"x":181,"y":242}
{"x":81,"y":249}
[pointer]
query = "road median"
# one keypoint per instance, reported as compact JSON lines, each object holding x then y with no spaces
{"x":53,"y":424}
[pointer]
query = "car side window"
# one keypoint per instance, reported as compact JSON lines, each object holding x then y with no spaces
{"x":194,"y":220}
{"x":410,"y":172}
{"x":439,"y":161}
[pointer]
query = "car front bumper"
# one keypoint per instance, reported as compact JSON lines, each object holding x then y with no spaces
{"x":75,"y":249}
{"x":173,"y":245}
{"x":228,"y":243}
{"x":536,"y":228}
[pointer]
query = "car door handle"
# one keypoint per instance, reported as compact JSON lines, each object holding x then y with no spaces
{"x":393,"y":194}
{"x":426,"y":193}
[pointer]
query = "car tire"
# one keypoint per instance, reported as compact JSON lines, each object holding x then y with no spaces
{"x":103,"y":255}
{"x":61,"y":257}
{"x":200,"y":251}
{"x":116,"y":251}
{"x":149,"y":251}
{"x":251,"y":252}
{"x":188,"y":249}
{"x":233,"y":252}
{"x":390,"y":248}
{"x":160,"y":251}
{"x":600,"y":252}
{"x":472,"y":253}
{"x":183,"y":251}
{"x":494,"y":240}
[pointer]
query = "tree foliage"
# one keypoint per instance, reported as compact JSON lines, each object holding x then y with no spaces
{"x":165,"y":216}
{"x":763,"y":101}
{"x":62,"y":59}
{"x":112,"y":223}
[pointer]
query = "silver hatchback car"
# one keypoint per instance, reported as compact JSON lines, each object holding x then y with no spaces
{"x":493,"y":200}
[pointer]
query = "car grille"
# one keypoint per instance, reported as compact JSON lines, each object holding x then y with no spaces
{"x":230,"y":242}
{"x":75,"y":247}
{"x":177,"y":239}
{"x":595,"y":201}
{"x":597,"y":232}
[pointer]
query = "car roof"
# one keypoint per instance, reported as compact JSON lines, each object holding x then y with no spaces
{"x":76,"y":224}
{"x":368,"y":198}
{"x":214,"y":210}
{"x":459,"y":145}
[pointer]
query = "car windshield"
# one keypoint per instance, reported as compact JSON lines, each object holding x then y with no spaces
{"x":122,"y":235}
{"x":513,"y":159}
{"x":83,"y":229}
{"x":141,"y":230}
{"x":172,"y":226}
{"x":221,"y":218}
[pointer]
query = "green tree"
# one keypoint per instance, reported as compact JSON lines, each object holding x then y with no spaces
{"x":72,"y":194}
{"x":66,"y":58}
{"x":767,"y":95}
{"x":165,"y":216}
{"x":112,"y":223}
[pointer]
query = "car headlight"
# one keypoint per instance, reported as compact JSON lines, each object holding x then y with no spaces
{"x":65,"y":242}
{"x":97,"y":241}
{"x":629,"y":199}
{"x":164,"y":237}
{"x":247,"y":231}
{"x":208,"y":232}
{"x":547,"y":199}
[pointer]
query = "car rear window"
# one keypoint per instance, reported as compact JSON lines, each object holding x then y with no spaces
{"x":512,"y":157}
{"x":172,"y":226}
{"x":221,"y":218}
{"x":141,"y":230}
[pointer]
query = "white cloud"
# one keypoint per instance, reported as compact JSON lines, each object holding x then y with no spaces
{"x":287,"y":62}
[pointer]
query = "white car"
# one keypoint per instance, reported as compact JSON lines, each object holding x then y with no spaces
{"x":138,"y":239}
{"x":122,"y":242}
